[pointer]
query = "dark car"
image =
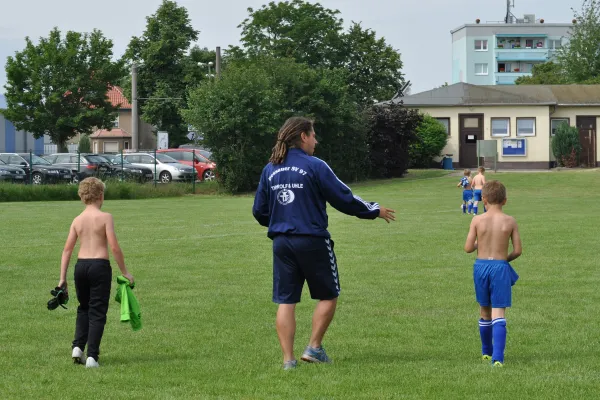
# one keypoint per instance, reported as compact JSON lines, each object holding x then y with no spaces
{"x":126,"y":170}
{"x":12,"y":174}
{"x":40,"y":170}
{"x":86,"y":165}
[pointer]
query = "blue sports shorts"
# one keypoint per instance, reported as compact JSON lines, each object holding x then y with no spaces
{"x":467,"y":194}
{"x":493,"y":282}
{"x":477,"y":195}
{"x":299,"y":258}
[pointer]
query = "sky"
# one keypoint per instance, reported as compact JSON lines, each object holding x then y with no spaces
{"x":419,"y":30}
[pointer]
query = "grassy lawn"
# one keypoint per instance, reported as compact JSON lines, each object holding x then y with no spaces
{"x":406,"y":325}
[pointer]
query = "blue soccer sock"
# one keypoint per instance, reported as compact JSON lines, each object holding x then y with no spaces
{"x":470,"y":207}
{"x":475,"y":210}
{"x":499,"y":335}
{"x":464,"y":208}
{"x":485,"y":332}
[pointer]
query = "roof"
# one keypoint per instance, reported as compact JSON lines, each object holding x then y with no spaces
{"x":114,"y":133}
{"x":465,"y":94}
{"x":513,"y":26}
{"x":116,"y":97}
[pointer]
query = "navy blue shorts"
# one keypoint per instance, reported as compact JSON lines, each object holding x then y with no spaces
{"x":493,"y":282}
{"x":477,"y":195}
{"x":298,"y":258}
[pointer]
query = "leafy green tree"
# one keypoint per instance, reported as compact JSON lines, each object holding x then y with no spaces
{"x":164,"y":72}
{"x":85,"y":145}
{"x":241,"y":114}
{"x":431,"y":140}
{"x":549,"y":73}
{"x":314,"y":35}
{"x":58,"y":87}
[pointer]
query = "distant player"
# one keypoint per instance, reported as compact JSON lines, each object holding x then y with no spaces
{"x":478,"y":182}
{"x":493,"y":276}
{"x":465,"y":183}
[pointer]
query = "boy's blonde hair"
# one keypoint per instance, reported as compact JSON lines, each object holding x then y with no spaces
{"x":481,"y":169}
{"x":467,"y":172}
{"x":91,"y":190}
{"x":494,"y":192}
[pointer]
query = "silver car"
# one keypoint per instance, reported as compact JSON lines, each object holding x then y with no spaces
{"x":167,"y":168}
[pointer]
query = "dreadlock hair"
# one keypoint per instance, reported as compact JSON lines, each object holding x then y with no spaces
{"x":290,"y":136}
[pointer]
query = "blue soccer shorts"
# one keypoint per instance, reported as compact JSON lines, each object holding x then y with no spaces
{"x":477,"y":195}
{"x":467,"y":195}
{"x":493,"y":282}
{"x":299,"y":258}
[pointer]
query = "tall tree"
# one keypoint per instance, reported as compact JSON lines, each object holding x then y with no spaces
{"x":312,"y":34}
{"x":375,"y":68}
{"x":164,"y":64}
{"x":580,"y":58}
{"x":296,"y":29}
{"x":58,"y":87}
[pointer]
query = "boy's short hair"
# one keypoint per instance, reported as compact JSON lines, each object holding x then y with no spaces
{"x":494,"y":192}
{"x":481,"y":169}
{"x":467,"y":172}
{"x":91,"y":190}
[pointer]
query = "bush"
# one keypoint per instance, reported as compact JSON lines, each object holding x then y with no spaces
{"x":241,"y":113}
{"x":115,"y":190}
{"x":566,"y":146}
{"x":391,"y":131}
{"x":432,"y":139}
{"x":85,"y":145}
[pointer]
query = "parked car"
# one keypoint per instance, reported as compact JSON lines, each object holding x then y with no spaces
{"x":85,"y":165}
{"x":12,"y":174}
{"x":167,"y":168}
{"x":40,"y":170}
{"x":199,"y":149}
{"x":204,"y":167}
{"x":126,"y":170}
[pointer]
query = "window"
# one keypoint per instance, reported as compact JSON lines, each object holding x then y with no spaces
{"x":178,"y":155}
{"x":144,"y":159}
{"x":471,"y":123}
{"x":116,"y":121}
{"x":555,"y":44}
{"x":500,"y":127}
{"x":481,"y":69}
{"x":188,"y":156}
{"x":126,"y":145}
{"x":555,"y":123}
{"x":528,"y":43}
{"x":481,"y":45}
{"x":525,"y":126}
{"x":446,"y":123}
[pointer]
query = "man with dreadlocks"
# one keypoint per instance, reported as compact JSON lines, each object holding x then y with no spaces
{"x":291,"y":201}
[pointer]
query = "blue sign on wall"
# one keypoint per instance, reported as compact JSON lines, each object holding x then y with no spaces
{"x":514,"y":147}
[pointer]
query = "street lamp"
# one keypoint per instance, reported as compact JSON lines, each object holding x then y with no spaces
{"x":209,"y":65}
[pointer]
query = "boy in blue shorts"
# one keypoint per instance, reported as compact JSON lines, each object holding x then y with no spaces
{"x":477,"y":184}
{"x":465,"y":183}
{"x":489,"y":234}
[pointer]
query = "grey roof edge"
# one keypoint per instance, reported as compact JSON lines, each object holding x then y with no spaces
{"x":557,"y":24}
{"x":482,"y":105}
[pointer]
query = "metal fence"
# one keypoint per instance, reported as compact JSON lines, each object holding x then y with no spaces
{"x":153,"y":166}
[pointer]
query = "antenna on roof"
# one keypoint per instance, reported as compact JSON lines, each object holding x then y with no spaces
{"x":400,"y":92}
{"x":510,"y":18}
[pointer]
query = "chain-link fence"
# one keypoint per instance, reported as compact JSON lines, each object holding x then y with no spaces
{"x":155,"y":166}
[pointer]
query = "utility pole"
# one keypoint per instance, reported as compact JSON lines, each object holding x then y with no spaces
{"x":134,"y":109}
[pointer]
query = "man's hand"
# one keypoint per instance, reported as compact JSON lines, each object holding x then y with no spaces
{"x":387,"y":214}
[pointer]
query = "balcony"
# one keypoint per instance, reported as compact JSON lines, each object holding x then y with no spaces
{"x":522,"y":54}
{"x":509,"y":78}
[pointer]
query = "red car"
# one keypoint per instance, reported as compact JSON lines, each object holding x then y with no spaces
{"x":204,"y":167}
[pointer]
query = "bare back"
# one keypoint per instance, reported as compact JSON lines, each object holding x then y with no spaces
{"x":493,"y":231}
{"x":478,"y":182}
{"x":90,"y":227}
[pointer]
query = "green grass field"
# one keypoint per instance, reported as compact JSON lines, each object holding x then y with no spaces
{"x":406,"y":326}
